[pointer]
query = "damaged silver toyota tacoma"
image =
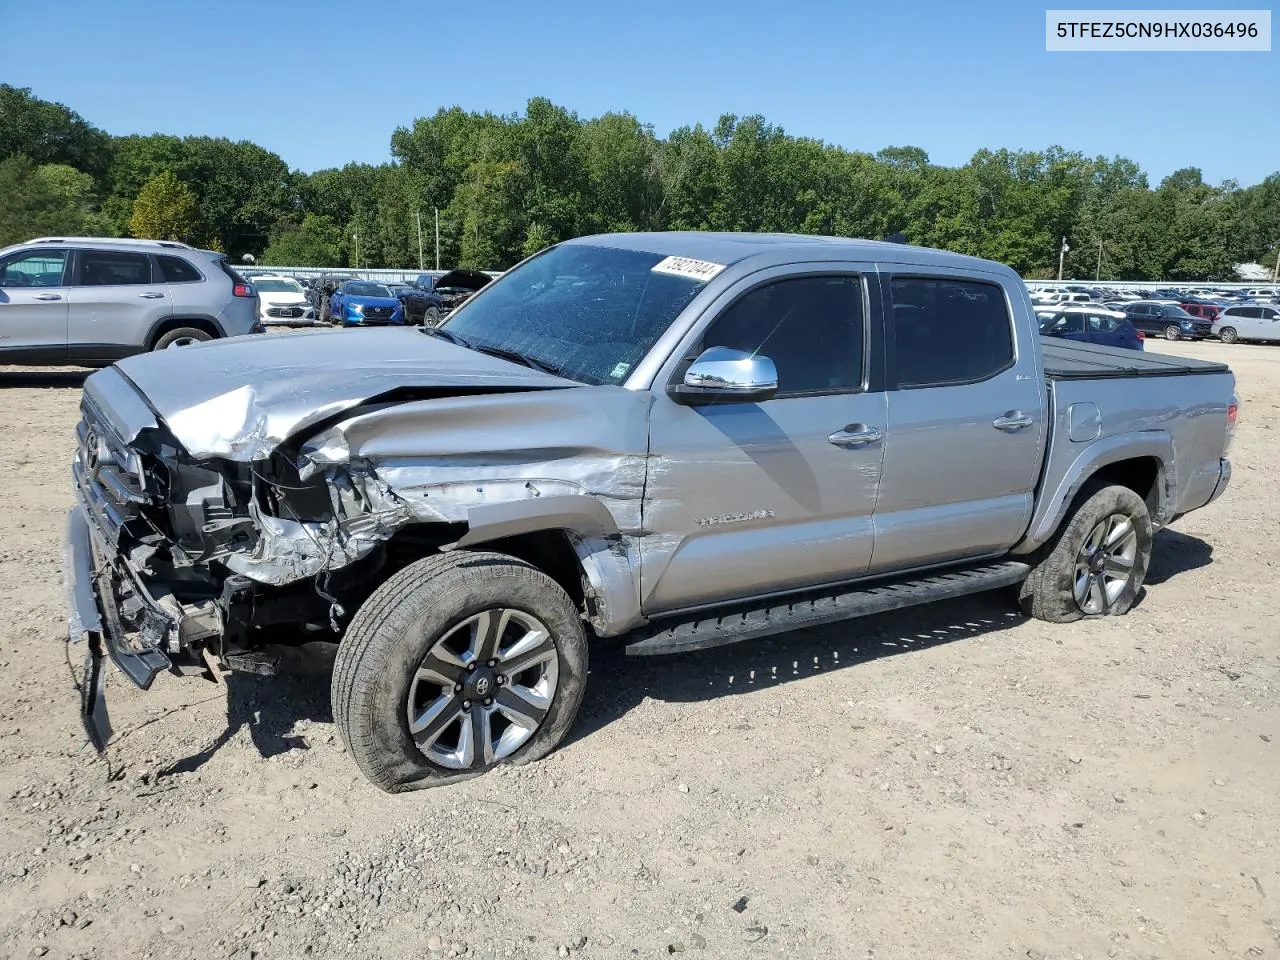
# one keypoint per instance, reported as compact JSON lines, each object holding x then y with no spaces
{"x":668,"y":441}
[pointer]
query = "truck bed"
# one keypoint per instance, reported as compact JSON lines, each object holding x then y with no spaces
{"x":1067,"y":360}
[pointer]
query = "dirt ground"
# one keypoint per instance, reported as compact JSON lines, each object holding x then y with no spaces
{"x":947,"y":782}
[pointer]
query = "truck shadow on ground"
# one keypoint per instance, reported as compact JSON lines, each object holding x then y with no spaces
{"x":29,"y":379}
{"x":1175,"y":553}
{"x":270,"y":707}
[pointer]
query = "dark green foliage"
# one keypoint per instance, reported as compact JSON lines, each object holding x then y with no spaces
{"x":508,"y":186}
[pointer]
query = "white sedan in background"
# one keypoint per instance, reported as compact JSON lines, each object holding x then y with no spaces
{"x":283,"y":302}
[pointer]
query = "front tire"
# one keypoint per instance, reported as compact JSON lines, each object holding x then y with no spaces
{"x":458,"y":663}
{"x":1172,"y":332}
{"x":431,"y":317}
{"x":1096,"y":563}
{"x":1229,"y":335}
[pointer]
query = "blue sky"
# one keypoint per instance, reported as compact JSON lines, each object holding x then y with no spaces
{"x":323,"y":83}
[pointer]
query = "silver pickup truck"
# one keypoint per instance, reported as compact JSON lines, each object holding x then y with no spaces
{"x":675,"y":440}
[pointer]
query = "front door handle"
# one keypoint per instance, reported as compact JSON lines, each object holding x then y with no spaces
{"x":48,"y":296}
{"x":1012,"y":421}
{"x":855,"y":435}
{"x":150,"y":295}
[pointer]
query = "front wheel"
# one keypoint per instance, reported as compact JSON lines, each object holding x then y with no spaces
{"x":1096,"y":564}
{"x":1229,"y":335}
{"x":456,"y":664}
{"x":1172,"y":332}
{"x":431,"y":317}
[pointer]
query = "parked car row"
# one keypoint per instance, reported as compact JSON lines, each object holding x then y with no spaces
{"x":1192,"y":313}
{"x":334,"y":298}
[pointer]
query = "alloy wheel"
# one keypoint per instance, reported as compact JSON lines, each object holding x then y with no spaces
{"x":1105,"y":564}
{"x":483,"y":689}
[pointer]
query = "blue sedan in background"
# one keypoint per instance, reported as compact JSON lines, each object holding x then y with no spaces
{"x":1087,"y":324}
{"x":363,"y":303}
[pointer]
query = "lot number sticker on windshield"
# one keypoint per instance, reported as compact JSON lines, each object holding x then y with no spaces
{"x":702,"y":270}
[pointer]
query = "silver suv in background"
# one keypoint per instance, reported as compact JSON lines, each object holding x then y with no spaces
{"x":95,"y":300}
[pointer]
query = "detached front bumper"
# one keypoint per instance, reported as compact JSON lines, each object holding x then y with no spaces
{"x":93,"y":619}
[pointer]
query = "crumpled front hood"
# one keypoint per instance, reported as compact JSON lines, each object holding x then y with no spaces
{"x":240,"y":398}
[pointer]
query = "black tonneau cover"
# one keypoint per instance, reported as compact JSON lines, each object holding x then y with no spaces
{"x":1068,"y":360}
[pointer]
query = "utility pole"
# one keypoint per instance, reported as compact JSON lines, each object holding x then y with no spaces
{"x":1098,"y":276}
{"x":356,"y":237}
{"x":1275,"y":274}
{"x":1062,"y":256}
{"x":437,"y":210}
{"x":418,"y":215}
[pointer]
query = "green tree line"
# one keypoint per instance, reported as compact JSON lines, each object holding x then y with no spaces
{"x":506,"y":186}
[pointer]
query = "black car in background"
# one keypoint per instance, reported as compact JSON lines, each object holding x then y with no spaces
{"x":321,"y":289}
{"x":1167,"y":320}
{"x":455,"y":287}
{"x":421,"y":307}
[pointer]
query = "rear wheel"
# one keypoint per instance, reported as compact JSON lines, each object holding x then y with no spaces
{"x":458,"y":663}
{"x":1172,"y":332}
{"x":1229,"y":335}
{"x":182,"y":337}
{"x":1096,"y":564}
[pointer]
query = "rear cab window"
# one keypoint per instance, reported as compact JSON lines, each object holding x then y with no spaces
{"x":949,"y":331}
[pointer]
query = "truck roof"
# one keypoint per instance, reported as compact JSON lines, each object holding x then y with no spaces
{"x":731,"y":248}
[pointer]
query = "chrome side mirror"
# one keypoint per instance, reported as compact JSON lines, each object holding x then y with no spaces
{"x":722,"y":375}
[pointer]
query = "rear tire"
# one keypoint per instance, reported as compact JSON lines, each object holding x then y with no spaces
{"x":182,"y":337}
{"x":1229,"y":335}
{"x":439,"y":646}
{"x":1097,"y":561}
{"x":1172,"y":332}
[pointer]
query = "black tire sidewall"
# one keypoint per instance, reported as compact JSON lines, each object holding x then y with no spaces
{"x":1061,"y":565}
{"x":422,"y":618}
{"x":172,"y":335}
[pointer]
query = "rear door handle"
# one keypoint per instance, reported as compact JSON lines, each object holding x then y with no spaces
{"x":855,"y":435}
{"x":48,"y":296}
{"x":1012,"y":421}
{"x":150,"y":295}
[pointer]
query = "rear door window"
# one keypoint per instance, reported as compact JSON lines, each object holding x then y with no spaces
{"x":109,"y":268}
{"x":949,"y":331}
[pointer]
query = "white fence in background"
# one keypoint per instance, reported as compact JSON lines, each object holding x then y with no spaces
{"x":383,"y":275}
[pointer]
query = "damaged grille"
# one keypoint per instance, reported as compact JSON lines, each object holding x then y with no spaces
{"x":107,"y":474}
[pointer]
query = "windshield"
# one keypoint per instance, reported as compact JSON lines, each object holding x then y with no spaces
{"x":591,"y":313}
{"x":362,"y":289}
{"x":277,"y":286}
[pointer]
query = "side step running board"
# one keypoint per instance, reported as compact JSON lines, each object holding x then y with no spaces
{"x":729,"y":625}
